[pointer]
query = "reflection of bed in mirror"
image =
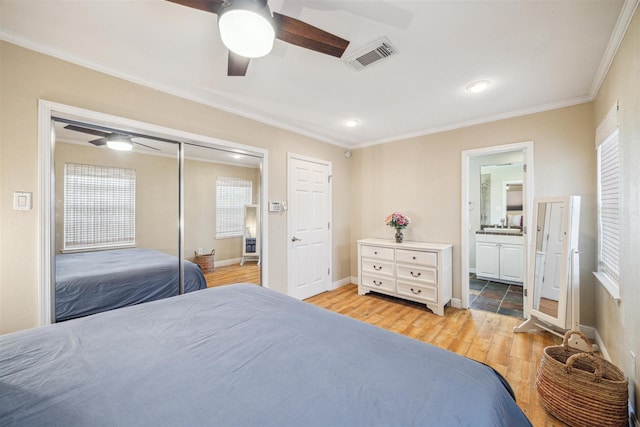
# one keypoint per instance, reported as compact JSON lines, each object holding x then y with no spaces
{"x":92,"y":282}
{"x":554,"y":273}
{"x":241,"y":355}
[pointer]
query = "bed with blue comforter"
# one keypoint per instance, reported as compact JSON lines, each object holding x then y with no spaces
{"x":240,"y":355}
{"x":92,"y":282}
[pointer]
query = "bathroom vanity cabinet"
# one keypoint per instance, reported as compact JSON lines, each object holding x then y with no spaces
{"x":499,"y":257}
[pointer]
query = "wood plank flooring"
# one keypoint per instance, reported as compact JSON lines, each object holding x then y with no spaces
{"x":236,"y":273}
{"x":479,"y":335}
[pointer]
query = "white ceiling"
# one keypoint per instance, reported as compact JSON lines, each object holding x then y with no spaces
{"x":538,"y":54}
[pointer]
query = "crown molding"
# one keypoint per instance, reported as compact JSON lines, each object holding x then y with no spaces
{"x":624,"y":19}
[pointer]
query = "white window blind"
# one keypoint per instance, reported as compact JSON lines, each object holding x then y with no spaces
{"x":99,"y":206}
{"x":232,"y":194}
{"x":609,"y":197}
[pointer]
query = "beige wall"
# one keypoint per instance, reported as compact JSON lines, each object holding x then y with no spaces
{"x":619,"y":323}
{"x":421,"y":177}
{"x":27,"y":76}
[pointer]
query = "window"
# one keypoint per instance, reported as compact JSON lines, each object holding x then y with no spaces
{"x":232,"y":194}
{"x":608,"y":152}
{"x":99,"y":207}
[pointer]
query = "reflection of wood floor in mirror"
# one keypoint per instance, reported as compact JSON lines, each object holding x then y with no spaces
{"x":549,"y":306}
{"x":236,"y":273}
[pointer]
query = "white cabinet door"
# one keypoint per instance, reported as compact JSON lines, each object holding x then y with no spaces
{"x":487,"y":260}
{"x":511,"y":257}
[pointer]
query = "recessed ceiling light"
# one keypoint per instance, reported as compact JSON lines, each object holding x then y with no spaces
{"x":351,"y":123}
{"x":479,"y":86}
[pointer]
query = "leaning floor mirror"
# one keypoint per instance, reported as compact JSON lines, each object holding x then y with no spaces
{"x":553,"y":277}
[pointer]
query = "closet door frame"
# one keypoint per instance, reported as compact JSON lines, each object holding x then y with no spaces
{"x":47,"y":110}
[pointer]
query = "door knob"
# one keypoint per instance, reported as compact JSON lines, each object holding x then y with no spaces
{"x":295,"y":239}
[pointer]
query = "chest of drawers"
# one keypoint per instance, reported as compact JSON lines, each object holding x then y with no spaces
{"x":415,"y":271}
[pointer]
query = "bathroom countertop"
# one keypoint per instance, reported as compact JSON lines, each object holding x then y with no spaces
{"x":509,"y":232}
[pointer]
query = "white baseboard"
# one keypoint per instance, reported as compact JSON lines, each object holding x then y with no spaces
{"x":597,"y":339}
{"x":340,"y":283}
{"x":228,"y":262}
{"x":456,"y":303}
{"x":593,"y":334}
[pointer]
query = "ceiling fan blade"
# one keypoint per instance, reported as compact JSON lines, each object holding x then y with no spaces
{"x":237,"y":65}
{"x":206,"y":5}
{"x":147,"y":146}
{"x":301,"y":34}
{"x":99,"y":142}
{"x":87,"y":130}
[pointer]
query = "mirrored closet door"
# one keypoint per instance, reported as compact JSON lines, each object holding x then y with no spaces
{"x":116,"y":204}
{"x":218,"y":186}
{"x":140,"y":217}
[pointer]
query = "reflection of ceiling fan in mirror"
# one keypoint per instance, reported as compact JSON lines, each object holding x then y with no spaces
{"x":114,"y":140}
{"x":248,"y":29}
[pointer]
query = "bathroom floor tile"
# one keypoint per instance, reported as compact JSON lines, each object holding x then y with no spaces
{"x":495,"y":297}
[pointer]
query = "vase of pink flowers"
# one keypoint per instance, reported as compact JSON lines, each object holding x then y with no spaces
{"x":399,"y":221}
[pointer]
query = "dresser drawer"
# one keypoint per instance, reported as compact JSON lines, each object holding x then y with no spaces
{"x":417,"y":257}
{"x":416,"y":273}
{"x":423,"y":293}
{"x":377,"y":252}
{"x":377,"y":268}
{"x":377,"y":282}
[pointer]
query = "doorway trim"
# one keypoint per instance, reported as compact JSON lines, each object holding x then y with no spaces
{"x":46,"y":186}
{"x":527,"y":148}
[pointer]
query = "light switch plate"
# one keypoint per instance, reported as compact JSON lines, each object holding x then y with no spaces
{"x":275,"y":206}
{"x":21,"y":201}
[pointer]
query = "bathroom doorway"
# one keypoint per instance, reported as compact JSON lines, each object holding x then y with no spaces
{"x":497,"y":191}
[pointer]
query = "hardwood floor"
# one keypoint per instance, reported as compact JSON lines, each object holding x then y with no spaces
{"x":479,"y":335}
{"x":236,"y":273}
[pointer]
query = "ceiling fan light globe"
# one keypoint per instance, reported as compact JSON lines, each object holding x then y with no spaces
{"x":120,"y":143}
{"x":247,"y":33}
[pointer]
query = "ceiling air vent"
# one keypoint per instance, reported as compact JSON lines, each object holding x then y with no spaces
{"x":370,"y":54}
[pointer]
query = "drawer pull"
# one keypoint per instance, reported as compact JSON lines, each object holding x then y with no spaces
{"x":375,"y":282}
{"x":415,"y":275}
{"x":377,"y":267}
{"x":413,"y":257}
{"x":375,"y":252}
{"x":418,"y":292}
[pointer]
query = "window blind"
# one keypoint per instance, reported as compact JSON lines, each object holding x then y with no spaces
{"x":232,"y":194}
{"x":609,"y":196}
{"x":99,"y":206}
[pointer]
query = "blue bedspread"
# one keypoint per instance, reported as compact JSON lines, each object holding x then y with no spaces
{"x":92,"y":282}
{"x":240,"y":355}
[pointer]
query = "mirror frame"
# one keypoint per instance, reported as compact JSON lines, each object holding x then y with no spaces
{"x":568,"y":303}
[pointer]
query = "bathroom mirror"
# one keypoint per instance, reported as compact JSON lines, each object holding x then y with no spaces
{"x":553,"y":277}
{"x":501,"y":197}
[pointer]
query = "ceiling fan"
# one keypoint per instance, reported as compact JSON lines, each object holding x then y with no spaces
{"x":254,"y":38}
{"x":115,"y":140}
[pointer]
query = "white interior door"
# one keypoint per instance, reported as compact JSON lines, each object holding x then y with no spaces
{"x":309,"y":223}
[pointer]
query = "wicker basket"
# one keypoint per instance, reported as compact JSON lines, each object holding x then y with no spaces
{"x":205,"y":261}
{"x":580,"y":388}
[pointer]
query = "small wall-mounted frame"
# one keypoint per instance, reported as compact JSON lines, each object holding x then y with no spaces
{"x":21,"y":201}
